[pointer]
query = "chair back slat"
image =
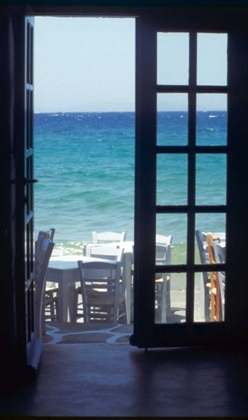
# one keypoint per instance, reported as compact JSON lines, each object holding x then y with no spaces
{"x":106,"y":252}
{"x":164,"y":240}
{"x":105,"y":237}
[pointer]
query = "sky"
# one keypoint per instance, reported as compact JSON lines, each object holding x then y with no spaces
{"x":88,"y":65}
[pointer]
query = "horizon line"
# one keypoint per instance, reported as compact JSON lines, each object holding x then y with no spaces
{"x":119,"y":112}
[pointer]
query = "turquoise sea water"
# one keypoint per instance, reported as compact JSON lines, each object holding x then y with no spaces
{"x":85,"y":166}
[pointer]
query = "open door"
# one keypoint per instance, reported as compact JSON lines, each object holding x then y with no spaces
{"x":25,"y":203}
{"x":189,"y":150}
{"x":23,"y":350}
{"x":31,"y":346}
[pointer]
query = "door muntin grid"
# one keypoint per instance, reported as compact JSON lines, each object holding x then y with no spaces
{"x":196,"y":148}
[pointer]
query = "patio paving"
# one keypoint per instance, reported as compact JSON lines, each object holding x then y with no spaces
{"x":79,"y":332}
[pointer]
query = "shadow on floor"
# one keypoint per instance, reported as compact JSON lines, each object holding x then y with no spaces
{"x":120,"y":380}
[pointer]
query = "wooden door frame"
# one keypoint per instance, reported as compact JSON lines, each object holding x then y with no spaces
{"x":237,"y":226}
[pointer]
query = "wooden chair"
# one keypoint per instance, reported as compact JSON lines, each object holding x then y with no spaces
{"x":215,"y":299}
{"x":102,"y":252}
{"x":100,"y":290}
{"x":42,"y":257}
{"x":103,"y":237}
{"x":220,"y":258}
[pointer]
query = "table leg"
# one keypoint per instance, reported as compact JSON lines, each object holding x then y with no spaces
{"x":126,"y":278}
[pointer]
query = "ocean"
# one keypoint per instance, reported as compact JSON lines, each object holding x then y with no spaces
{"x":85,"y":166}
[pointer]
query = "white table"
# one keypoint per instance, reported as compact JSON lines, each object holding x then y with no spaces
{"x":64,"y":271}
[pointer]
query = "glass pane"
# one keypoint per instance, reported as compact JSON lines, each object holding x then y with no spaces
{"x":172,"y":179}
{"x":201,"y":298}
{"x":211,"y":120}
{"x":173,"y":58}
{"x":209,"y":297}
{"x":211,"y":59}
{"x":211,"y":179}
{"x":172,"y":119}
{"x":170,"y":298}
{"x":214,"y":223}
{"x":174,"y":225}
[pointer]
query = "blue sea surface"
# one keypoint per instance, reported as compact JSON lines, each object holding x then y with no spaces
{"x":85,"y":166}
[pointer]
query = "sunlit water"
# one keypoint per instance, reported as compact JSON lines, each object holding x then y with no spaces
{"x":85,"y":166}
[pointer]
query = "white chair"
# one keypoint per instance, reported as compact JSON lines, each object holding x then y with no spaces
{"x":201,"y":239}
{"x":51,"y":291}
{"x":163,"y":240}
{"x":103,"y":237}
{"x":106,"y":252}
{"x":103,"y":252}
{"x":162,"y":280}
{"x":43,"y":253}
{"x":100,"y":290}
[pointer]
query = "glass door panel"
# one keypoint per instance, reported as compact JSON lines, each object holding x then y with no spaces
{"x":211,"y":119}
{"x":181,"y":114}
{"x":209,"y":296}
{"x":172,"y":229}
{"x":211,"y":59}
{"x":172,"y":69}
{"x":172,"y":126}
{"x":172,"y":179}
{"x":211,"y":174}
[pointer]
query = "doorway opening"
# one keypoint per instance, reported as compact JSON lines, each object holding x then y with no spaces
{"x":84,"y":141}
{"x":84,"y":130}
